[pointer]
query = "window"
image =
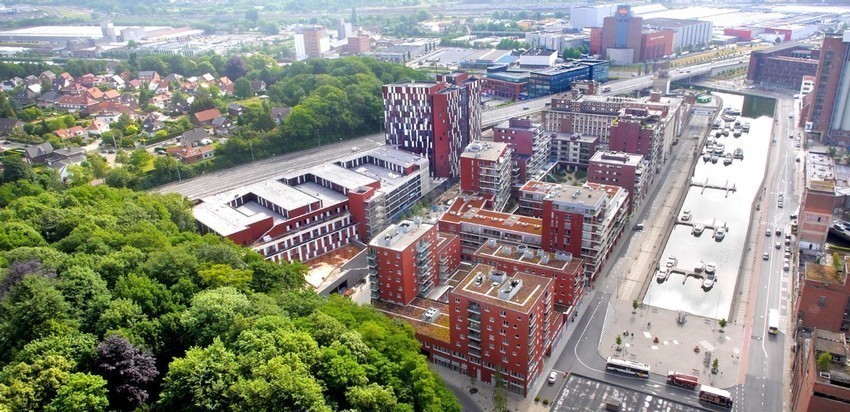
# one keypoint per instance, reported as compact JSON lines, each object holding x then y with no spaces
{"x":502,"y":314}
{"x":822,"y":301}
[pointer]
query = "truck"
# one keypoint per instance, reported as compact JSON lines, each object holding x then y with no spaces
{"x":773,"y":321}
{"x":682,"y":380}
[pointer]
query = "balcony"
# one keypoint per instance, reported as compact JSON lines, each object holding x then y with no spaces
{"x":474,"y":326}
{"x":475,"y":345}
{"x":475,"y":336}
{"x":476,"y":309}
{"x":475,"y":352}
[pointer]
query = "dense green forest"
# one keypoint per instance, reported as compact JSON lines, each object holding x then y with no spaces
{"x":109,"y":300}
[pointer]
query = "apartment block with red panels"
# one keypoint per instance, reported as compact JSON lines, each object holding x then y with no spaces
{"x":403,"y":262}
{"x":486,"y":168}
{"x":502,"y":88}
{"x":566,"y":272}
{"x":503,"y":325}
{"x":436,"y":120}
{"x":531,"y":147}
{"x":573,"y":150}
{"x":620,"y":169}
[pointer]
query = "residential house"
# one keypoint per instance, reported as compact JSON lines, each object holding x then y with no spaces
{"x":279,"y":114}
{"x":94,"y":93}
{"x":174,"y":78}
{"x":159,"y":88}
{"x":222,"y":126}
{"x":47,"y":77}
{"x":160,"y":100}
{"x":76,"y":103}
{"x":60,"y":159}
{"x":258,"y":86}
{"x":153,"y":122}
{"x":28,"y":94}
{"x":11,"y":84}
{"x":31,"y":80}
{"x":133,"y":84}
{"x":107,"y":117}
{"x":205,"y":117}
{"x":207,"y":79}
{"x":111,"y":95}
{"x":38,"y":154}
{"x":8,"y":126}
{"x":194,"y":137}
{"x":48,"y":99}
{"x":111,"y":107}
{"x":88,"y":80}
{"x":71,"y":132}
{"x":190,"y":155}
{"x":62,"y":81}
{"x":96,"y":128}
{"x":148,"y":76}
{"x":73,"y":89}
{"x":227,"y":89}
{"x":235,"y":109}
{"x":116,"y":82}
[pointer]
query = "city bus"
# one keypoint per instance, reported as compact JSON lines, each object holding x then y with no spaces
{"x":680,"y":379}
{"x":773,"y":321}
{"x":640,"y":370}
{"x":715,"y":396}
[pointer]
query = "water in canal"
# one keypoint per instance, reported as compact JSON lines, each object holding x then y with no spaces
{"x":713,"y":207}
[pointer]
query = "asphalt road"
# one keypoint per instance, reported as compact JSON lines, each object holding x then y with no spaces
{"x":223,"y":180}
{"x":763,"y":387}
{"x":581,"y":355}
{"x":764,"y":384}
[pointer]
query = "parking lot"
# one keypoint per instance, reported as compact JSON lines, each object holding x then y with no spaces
{"x":584,"y":394}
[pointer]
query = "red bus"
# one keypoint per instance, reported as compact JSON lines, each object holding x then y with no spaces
{"x":680,"y":379}
{"x":715,"y":396}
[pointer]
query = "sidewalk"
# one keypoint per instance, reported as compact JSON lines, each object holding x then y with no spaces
{"x":677,"y":342}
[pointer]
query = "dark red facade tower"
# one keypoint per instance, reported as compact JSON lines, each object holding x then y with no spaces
{"x":829,"y":114}
{"x":436,"y":120}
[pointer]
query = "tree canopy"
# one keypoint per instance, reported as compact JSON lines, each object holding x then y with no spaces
{"x":110,"y":301}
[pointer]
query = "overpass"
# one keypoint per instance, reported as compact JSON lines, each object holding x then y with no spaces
{"x":492,"y":117}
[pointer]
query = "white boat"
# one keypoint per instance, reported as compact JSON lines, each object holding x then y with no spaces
{"x":746,"y":127}
{"x":699,"y":267}
{"x":710,"y":267}
{"x":719,"y":234}
{"x":727,"y":161}
{"x":698,"y":229}
{"x":671,"y":261}
{"x":662,"y":274}
{"x":708,"y":282}
{"x":739,"y":153}
{"x":714,"y":158}
{"x":686,"y":214}
{"x":706,"y":157}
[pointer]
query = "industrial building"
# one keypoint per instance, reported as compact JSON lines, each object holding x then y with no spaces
{"x":783,"y":66}
{"x":687,"y":34}
{"x":828,"y":119}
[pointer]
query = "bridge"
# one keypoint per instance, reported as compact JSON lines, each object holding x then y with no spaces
{"x":492,"y":117}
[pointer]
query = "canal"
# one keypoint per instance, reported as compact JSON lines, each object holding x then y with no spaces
{"x":714,"y":207}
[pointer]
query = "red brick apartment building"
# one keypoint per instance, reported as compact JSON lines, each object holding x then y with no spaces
{"x":434,"y":119}
{"x":486,"y":168}
{"x":814,"y":390}
{"x":405,"y":261}
{"x":531,"y":147}
{"x":584,"y":221}
{"x":818,"y":203}
{"x":469,"y":219}
{"x":566,"y":271}
{"x":823,"y":299}
{"x":315,"y":211}
{"x":619,"y":169}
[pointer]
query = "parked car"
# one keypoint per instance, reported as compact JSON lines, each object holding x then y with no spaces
{"x":553,"y":376}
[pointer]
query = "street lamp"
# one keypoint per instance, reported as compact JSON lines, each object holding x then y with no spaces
{"x":317,"y":138}
{"x":251,"y":145}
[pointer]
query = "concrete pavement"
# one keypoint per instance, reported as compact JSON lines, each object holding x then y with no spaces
{"x":687,"y":347}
